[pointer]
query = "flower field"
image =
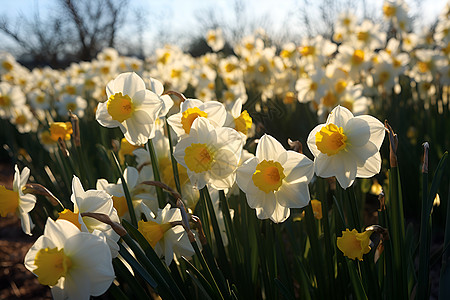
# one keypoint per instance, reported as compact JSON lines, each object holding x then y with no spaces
{"x":316,"y":169}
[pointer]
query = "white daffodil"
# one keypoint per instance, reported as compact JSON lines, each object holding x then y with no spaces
{"x":143,"y":196}
{"x":275,"y":180}
{"x":239,"y":119}
{"x":191,"y":109}
{"x":210,"y":155}
{"x":16,"y":201}
{"x":73,"y":103}
{"x":346,"y":146}
{"x":92,"y":201}
{"x":74,"y":264}
{"x":165,"y":236}
{"x":131,"y":107}
{"x":214,"y":39}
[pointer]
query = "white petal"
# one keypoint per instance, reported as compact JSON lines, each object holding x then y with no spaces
{"x":136,"y":134}
{"x":26,"y":222}
{"x":293,"y":195}
{"x":203,"y":130}
{"x":91,"y":255}
{"x":175,"y":122}
{"x":216,"y":112}
{"x":371,"y":167}
{"x":312,"y":140}
{"x":156,"y":86}
{"x":339,"y":116}
{"x":59,"y":231}
{"x":269,"y":148}
{"x":245,"y":172}
{"x":280,"y":214}
{"x":24,"y":176}
{"x":237,"y":108}
{"x":104,"y":118}
{"x":27,"y":202}
{"x":377,"y":130}
{"x":190,"y":103}
{"x":128,"y":83}
{"x":297,"y":167}
{"x":357,"y":131}
{"x":131,"y":176}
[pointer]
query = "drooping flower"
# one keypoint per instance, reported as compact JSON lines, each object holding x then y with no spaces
{"x":191,"y":109}
{"x":165,"y":236}
{"x":74,"y":264}
{"x":16,"y":202}
{"x":346,"y":146}
{"x":354,"y":244}
{"x":275,"y":180}
{"x":92,"y":201}
{"x":210,"y":155}
{"x":131,"y":107}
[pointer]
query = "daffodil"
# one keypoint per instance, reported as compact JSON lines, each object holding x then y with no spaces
{"x":239,"y":119}
{"x":131,"y":107}
{"x":346,"y":146}
{"x":74,"y":264}
{"x":165,"y":236}
{"x":92,"y":201}
{"x":210,"y":155}
{"x":354,"y":244}
{"x":16,"y":202}
{"x":142,"y":196}
{"x":275,"y":180}
{"x":214,"y":39}
{"x":191,"y":109}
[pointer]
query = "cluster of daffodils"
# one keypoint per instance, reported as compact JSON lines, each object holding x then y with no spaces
{"x":356,"y":68}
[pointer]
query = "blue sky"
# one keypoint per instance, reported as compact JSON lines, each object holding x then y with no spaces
{"x":181,"y":16}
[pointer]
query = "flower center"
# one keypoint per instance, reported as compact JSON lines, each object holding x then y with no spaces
{"x":188,"y":117}
{"x":330,"y":139}
{"x":52,"y":264}
{"x":389,"y":11}
{"x":5,"y":101}
{"x":423,"y":67}
{"x":329,"y":99}
{"x":9,"y":201}
{"x":340,"y":85}
{"x":198,"y":158}
{"x":120,"y":204}
{"x":70,"y":216}
{"x":362,"y":36}
{"x":120,"y":107}
{"x":308,"y":50}
{"x":243,"y":123}
{"x":21,"y":120}
{"x":152,"y":231}
{"x":268,"y":176}
{"x":358,"y":57}
{"x":7,"y":65}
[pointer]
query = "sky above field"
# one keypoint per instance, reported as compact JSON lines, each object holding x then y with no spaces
{"x":182,"y":16}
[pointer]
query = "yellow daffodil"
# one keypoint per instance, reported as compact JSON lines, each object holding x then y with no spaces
{"x":354,"y":244}
{"x":75,"y":264}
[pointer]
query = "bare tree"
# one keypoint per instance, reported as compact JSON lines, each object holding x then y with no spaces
{"x":78,"y":30}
